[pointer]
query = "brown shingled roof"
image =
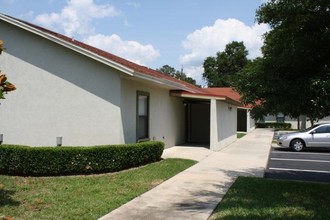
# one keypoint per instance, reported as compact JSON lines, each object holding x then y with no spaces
{"x":228,"y":92}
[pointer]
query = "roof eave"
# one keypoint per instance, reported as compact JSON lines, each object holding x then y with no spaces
{"x":196,"y":96}
{"x":205,"y":97}
{"x":162,"y":81}
{"x":244,"y":107}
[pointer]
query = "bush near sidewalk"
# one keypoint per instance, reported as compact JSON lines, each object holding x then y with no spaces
{"x":281,"y":125}
{"x":55,"y":161}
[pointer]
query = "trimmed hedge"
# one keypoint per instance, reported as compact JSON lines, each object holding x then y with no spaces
{"x":273,"y":125}
{"x":55,"y":161}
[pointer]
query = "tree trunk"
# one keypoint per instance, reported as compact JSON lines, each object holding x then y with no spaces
{"x":303,"y":121}
{"x":298,"y":123}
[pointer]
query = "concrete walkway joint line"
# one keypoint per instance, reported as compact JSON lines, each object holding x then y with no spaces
{"x":194,"y":193}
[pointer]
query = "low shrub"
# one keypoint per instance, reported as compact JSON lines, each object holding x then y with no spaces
{"x":273,"y":125}
{"x":55,"y":161}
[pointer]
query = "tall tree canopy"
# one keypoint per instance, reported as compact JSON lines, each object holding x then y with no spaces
{"x":221,"y":71}
{"x":166,"y":69}
{"x":293,"y":76}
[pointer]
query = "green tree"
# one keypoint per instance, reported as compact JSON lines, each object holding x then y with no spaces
{"x":293,"y":76}
{"x":5,"y":86}
{"x":166,"y":69}
{"x":250,"y":84}
{"x":221,"y":71}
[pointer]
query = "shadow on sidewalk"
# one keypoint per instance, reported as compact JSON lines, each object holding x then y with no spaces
{"x":208,"y":200}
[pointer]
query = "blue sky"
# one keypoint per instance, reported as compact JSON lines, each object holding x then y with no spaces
{"x":150,"y":32}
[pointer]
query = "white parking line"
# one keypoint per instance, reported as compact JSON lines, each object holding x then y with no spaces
{"x":300,"y":160}
{"x":315,"y":171}
{"x":288,"y":152}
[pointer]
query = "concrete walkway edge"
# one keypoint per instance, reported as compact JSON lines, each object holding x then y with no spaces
{"x":194,"y":193}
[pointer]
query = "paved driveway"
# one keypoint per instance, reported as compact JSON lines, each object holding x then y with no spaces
{"x":311,"y":165}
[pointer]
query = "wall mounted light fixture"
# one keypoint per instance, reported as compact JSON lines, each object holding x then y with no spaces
{"x":230,"y":108}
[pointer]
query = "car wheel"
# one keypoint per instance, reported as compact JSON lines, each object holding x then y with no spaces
{"x":297,"y":145}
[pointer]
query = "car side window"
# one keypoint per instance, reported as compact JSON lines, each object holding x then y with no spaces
{"x":324,"y":129}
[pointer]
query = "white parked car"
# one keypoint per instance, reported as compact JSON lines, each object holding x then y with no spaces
{"x":315,"y":136}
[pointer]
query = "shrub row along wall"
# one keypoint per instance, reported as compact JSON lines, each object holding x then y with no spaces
{"x":54,"y":161}
{"x":273,"y":125}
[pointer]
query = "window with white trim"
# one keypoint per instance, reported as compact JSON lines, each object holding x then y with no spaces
{"x":142,"y":116}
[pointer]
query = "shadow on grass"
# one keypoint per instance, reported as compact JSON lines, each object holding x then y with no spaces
{"x":257,"y":198}
{"x":6,"y":198}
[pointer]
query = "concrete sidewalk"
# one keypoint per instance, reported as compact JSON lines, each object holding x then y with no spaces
{"x":194,"y":193}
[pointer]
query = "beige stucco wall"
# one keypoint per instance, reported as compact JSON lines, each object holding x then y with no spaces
{"x":223,"y":124}
{"x":59,"y":93}
{"x":167,"y":116}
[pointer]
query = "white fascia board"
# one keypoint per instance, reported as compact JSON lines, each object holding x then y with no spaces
{"x":73,"y":47}
{"x":206,"y":97}
{"x":162,"y":81}
{"x":242,"y":107}
{"x":197,"y":96}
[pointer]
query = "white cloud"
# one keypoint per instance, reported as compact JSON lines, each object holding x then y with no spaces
{"x":211,"y":39}
{"x":131,"y":50}
{"x":135,"y":5}
{"x":76,"y":17}
{"x":195,"y":72}
{"x":76,"y":20}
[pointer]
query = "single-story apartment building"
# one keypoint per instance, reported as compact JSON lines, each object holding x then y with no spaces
{"x":68,"y":89}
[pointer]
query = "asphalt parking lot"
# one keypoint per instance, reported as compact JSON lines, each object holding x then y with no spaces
{"x":309,"y":165}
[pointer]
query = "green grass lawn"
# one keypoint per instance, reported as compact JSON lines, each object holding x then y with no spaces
{"x":240,"y":135}
{"x":80,"y":197}
{"x":257,"y":198}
